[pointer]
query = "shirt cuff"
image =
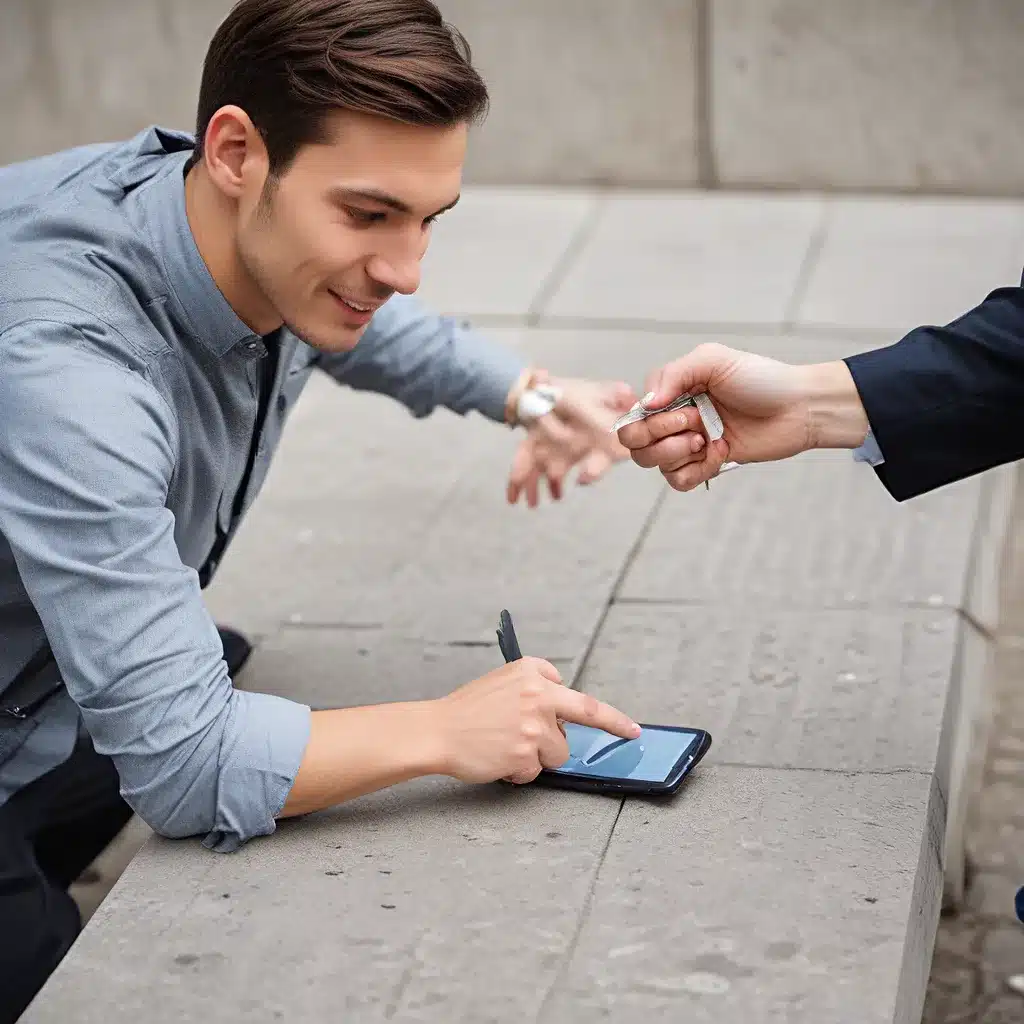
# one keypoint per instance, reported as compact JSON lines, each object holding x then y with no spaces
{"x":260,"y":757}
{"x":869,"y":451}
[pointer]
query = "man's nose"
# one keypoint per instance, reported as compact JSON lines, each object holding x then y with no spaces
{"x":396,"y":274}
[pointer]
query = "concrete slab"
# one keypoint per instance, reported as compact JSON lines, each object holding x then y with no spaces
{"x":691,"y":258}
{"x":762,"y":896}
{"x":815,"y":531}
{"x":494,"y":253}
{"x":584,"y":91}
{"x":330,"y":668}
{"x":898,"y":264}
{"x":971,"y":719}
{"x":990,"y":546}
{"x":431,"y":902}
{"x":858,"y":691}
{"x":847,"y":95}
{"x":341,"y":493}
{"x":435,"y":554}
{"x":58,"y":90}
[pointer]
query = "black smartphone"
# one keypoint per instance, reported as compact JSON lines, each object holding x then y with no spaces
{"x":655,"y":763}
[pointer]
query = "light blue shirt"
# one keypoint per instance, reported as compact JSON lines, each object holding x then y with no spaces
{"x":128,"y":398}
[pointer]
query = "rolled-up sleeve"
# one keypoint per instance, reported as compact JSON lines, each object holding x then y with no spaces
{"x":425,"y":361}
{"x":87,"y":454}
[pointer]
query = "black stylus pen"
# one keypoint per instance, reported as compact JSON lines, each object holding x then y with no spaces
{"x":507,"y":640}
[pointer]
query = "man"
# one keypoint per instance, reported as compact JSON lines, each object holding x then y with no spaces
{"x":940,"y":405}
{"x":162,"y":303}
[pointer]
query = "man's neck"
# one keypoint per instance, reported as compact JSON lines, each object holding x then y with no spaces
{"x":210,"y":220}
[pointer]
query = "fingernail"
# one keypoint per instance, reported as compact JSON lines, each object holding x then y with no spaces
{"x":698,"y":443}
{"x":637,"y":729}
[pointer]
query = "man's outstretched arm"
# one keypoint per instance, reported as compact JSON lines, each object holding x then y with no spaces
{"x":942,"y":404}
{"x":427,"y":361}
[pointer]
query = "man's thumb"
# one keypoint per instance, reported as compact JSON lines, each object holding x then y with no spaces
{"x":692,"y":373}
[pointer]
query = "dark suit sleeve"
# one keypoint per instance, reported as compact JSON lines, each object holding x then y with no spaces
{"x":945,"y":403}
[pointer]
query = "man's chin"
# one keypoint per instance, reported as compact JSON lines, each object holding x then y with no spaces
{"x":333,"y":339}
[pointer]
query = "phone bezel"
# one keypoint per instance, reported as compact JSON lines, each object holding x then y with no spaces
{"x":688,"y":760}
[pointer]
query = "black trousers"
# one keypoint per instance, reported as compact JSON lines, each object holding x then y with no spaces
{"x":50,"y":832}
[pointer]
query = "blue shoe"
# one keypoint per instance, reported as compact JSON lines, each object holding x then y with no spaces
{"x":1020,"y":904}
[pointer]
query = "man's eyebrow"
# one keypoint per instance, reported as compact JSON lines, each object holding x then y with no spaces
{"x":341,"y":195}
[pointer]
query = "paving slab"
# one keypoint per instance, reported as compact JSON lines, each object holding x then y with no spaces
{"x":691,"y":258}
{"x":815,"y":531}
{"x":430,"y":902}
{"x":763,"y":896}
{"x":897,"y":264}
{"x":495,"y":252}
{"x":847,"y":95}
{"x":993,"y":532}
{"x":332,"y":668}
{"x":590,"y":91}
{"x":436,"y":552}
{"x":846,"y":691}
{"x":341,"y":494}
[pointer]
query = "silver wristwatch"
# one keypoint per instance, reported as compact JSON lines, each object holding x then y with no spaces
{"x":536,"y":402}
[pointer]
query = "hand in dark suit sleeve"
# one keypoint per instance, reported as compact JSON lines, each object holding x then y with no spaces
{"x":945,"y":403}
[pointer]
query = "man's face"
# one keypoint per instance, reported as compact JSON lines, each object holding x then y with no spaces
{"x":346,"y":226}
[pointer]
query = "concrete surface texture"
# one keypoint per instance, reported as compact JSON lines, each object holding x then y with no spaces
{"x":909,"y":95}
{"x":979,"y":957}
{"x":834,"y":642}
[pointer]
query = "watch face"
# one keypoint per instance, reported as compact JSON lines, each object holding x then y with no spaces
{"x":536,"y":402}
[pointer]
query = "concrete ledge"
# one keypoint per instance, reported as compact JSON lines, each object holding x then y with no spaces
{"x":798,"y":875}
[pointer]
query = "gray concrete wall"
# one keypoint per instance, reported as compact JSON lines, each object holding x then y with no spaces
{"x":906,"y":95}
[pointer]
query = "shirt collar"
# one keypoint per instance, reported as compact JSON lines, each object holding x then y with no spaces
{"x":193,"y":291}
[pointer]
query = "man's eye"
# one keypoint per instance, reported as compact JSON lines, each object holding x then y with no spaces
{"x":365,"y":217}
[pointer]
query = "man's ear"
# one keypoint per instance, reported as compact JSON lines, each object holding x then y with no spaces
{"x":234,"y":154}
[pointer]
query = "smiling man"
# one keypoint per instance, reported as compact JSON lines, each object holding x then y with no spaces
{"x":162,"y":303}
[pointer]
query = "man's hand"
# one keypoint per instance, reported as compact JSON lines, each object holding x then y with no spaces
{"x":575,"y":433}
{"x":504,"y":725}
{"x":507,"y":724}
{"x":769,"y":409}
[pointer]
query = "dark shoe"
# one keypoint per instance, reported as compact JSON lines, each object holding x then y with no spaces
{"x":236,"y":649}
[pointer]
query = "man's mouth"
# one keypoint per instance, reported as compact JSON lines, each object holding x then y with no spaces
{"x":360,"y":310}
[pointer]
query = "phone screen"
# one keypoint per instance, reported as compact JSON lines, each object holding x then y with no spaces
{"x":649,"y":758}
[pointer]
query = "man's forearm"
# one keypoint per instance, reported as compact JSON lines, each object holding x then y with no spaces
{"x":836,"y":414}
{"x":354,"y":751}
{"x":426,"y":361}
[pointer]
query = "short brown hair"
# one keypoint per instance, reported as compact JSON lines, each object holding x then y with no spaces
{"x":290,"y":63}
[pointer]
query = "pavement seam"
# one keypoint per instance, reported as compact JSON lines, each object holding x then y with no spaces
{"x":719,"y":328}
{"x":588,"y":902}
{"x":851,"y":772}
{"x":707,"y":164}
{"x":558,"y":273}
{"x":580,"y":662}
{"x":810,"y":261}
